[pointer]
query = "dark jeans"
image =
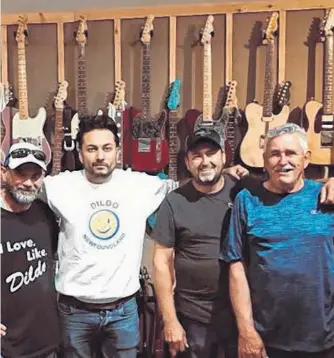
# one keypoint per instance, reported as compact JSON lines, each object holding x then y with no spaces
{"x":206,"y":341}
{"x":116,"y":331}
{"x":277,"y":353}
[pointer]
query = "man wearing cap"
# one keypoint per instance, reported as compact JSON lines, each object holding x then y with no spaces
{"x":190,"y":223}
{"x":29,"y":316}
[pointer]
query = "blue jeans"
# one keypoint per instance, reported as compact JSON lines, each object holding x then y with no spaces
{"x":114,"y":333}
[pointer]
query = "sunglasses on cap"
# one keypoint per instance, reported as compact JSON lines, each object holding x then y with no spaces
{"x":23,"y":152}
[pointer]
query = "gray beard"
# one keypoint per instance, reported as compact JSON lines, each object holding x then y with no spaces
{"x":22,"y":196}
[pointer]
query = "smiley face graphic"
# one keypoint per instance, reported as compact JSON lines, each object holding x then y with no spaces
{"x":104,"y":224}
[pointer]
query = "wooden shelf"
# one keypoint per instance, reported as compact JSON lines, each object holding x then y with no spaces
{"x":169,"y":10}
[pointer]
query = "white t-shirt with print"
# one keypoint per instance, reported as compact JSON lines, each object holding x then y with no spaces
{"x":102,"y":229}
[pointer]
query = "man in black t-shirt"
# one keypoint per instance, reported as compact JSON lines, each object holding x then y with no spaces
{"x":29,"y":316}
{"x":190,"y":223}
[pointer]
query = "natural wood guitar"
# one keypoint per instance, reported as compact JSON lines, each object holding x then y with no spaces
{"x":82,"y":110}
{"x":25,"y":128}
{"x":261,"y":118}
{"x":320,"y":117}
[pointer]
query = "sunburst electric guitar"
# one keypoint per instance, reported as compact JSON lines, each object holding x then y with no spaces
{"x":320,"y":117}
{"x":25,"y":128}
{"x":261,"y":118}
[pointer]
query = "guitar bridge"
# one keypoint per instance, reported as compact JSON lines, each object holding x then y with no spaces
{"x":327,"y":139}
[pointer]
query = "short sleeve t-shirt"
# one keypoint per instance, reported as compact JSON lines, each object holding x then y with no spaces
{"x":28,"y":296}
{"x":194,"y":223}
{"x":286,"y":241}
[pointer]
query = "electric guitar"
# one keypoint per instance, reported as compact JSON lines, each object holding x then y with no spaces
{"x":174,"y":143}
{"x":149,"y":146}
{"x":81,"y":39}
{"x":232,"y":116}
{"x":206,"y":119}
{"x":193,"y":117}
{"x":115,"y":111}
{"x":261,"y":118}
{"x":25,"y":128}
{"x":59,"y":134}
{"x":6,"y":96}
{"x":320,"y":117}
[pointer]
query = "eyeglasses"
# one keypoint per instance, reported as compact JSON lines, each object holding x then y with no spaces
{"x":23,"y":152}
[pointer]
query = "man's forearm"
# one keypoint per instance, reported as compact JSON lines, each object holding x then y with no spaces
{"x":240,"y":297}
{"x":163,"y":274}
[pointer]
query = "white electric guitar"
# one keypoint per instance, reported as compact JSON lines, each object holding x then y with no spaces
{"x":24,"y":128}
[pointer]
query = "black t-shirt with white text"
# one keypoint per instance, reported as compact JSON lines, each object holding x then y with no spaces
{"x":194,"y":223}
{"x":28,"y":296}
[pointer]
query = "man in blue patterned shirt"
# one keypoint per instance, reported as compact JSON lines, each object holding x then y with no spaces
{"x":281,"y":254}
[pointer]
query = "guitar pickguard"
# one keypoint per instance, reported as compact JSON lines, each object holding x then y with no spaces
{"x":144,"y":128}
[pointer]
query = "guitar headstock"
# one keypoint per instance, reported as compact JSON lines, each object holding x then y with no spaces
{"x":231,"y":97}
{"x":119,"y":97}
{"x":272,"y":28}
{"x":327,"y":25}
{"x":22,"y":30}
{"x":147,"y":31}
{"x":61,"y":95}
{"x":283,"y":94}
{"x":82,"y":33}
{"x":207,"y":33}
{"x":174,"y":96}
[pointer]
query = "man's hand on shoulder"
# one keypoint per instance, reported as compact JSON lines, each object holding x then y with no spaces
{"x":327,"y":192}
{"x":237,"y":171}
{"x":3,"y":330}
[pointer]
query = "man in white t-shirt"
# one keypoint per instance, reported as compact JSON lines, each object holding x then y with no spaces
{"x":103,"y":213}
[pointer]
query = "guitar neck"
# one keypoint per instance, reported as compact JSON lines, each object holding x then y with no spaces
{"x":328,"y":76}
{"x":207,"y":83}
{"x":173,"y":146}
{"x":230,"y":134}
{"x":269,"y":86}
{"x":119,"y":121}
{"x":81,"y":83}
{"x":146,"y":81}
{"x":58,"y":143}
{"x":22,"y":81}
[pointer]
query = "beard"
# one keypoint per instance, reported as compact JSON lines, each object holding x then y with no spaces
{"x":96,"y":171}
{"x":23,"y":196}
{"x":208,"y":179}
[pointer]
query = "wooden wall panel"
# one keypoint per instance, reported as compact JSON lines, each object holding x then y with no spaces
{"x":249,"y":56}
{"x":41,"y":56}
{"x":189,"y":60}
{"x":99,"y":61}
{"x":131,"y":62}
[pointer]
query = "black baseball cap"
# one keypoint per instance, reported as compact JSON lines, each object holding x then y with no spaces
{"x":204,"y":135}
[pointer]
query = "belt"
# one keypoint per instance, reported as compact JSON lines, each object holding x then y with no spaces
{"x":74,"y":302}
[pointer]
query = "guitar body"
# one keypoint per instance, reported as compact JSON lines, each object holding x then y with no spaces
{"x":319,"y":155}
{"x":6,"y":141}
{"x":219,"y":126}
{"x":251,"y":149}
{"x":149,"y":151}
{"x":31,"y":130}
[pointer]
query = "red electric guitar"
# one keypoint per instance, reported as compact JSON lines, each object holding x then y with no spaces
{"x":148,"y":146}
